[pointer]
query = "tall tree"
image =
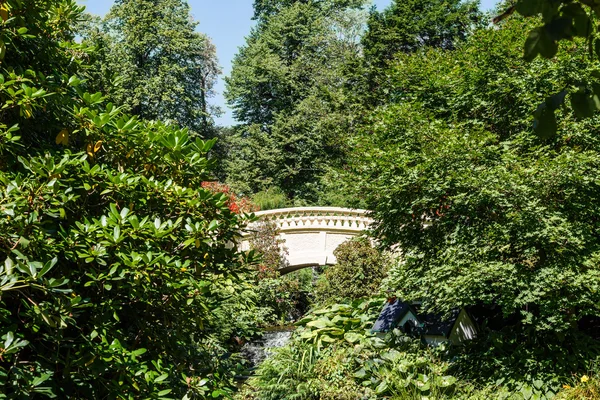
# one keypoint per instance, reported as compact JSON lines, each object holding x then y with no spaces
{"x":166,"y":70}
{"x":407,"y":26}
{"x":263,"y":9}
{"x":286,"y":88}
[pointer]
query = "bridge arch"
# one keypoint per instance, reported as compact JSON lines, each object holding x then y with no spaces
{"x":311,"y":234}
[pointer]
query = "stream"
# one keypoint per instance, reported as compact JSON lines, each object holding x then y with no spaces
{"x":258,"y":350}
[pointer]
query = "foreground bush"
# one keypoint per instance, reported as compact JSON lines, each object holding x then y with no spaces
{"x":112,"y":256}
{"x":333,"y":356}
{"x":358,"y":273}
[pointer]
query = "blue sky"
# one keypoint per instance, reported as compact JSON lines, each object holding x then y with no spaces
{"x":227,"y":22}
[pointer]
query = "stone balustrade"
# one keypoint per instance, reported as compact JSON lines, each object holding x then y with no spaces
{"x":311,"y":234}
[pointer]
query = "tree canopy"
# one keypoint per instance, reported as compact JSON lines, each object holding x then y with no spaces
{"x":286,"y":89}
{"x":484,"y":210}
{"x":407,"y":26}
{"x":151,"y":60}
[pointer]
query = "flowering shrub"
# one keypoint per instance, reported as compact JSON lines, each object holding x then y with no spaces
{"x":237,"y":205}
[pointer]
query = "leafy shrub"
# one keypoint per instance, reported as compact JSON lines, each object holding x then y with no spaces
{"x":264,"y":298}
{"x":288,"y":374}
{"x":408,"y":373}
{"x":522,"y":362}
{"x":271,"y":198}
{"x":358,"y":273}
{"x":112,"y":256}
{"x":265,"y":240}
{"x":286,"y":296}
{"x":305,"y":369}
{"x":339,"y":322}
{"x":483,"y":209}
{"x":242,"y":314}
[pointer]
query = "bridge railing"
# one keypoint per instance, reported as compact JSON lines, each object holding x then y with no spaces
{"x":316,"y":218}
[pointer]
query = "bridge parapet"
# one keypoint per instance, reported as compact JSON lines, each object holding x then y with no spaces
{"x":327,"y":218}
{"x":311,"y":234}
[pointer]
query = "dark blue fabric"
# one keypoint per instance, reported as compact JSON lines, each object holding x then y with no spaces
{"x":436,"y":325}
{"x":391,"y":313}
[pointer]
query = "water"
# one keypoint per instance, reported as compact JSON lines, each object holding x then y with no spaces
{"x":258,"y":350}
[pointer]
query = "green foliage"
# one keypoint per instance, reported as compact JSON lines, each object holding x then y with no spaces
{"x":36,"y":69}
{"x":151,"y":61}
{"x":301,"y":83}
{"x":319,"y":362}
{"x":559,"y":21}
{"x":483,"y":210}
{"x":409,"y":372}
{"x":407,"y":27}
{"x":358,"y":272}
{"x":522,"y":362}
{"x":339,"y":322}
{"x":584,"y":387}
{"x":333,"y":356}
{"x":263,"y":9}
{"x":112,"y":257}
{"x":285,"y":296}
{"x":267,"y":298}
{"x":270,"y":199}
{"x":265,"y":240}
{"x":289,"y":374}
{"x":286,"y":89}
{"x":440,"y":24}
{"x":242,"y":313}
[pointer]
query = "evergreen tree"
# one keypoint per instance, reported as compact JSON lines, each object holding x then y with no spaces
{"x":287,"y":89}
{"x":408,"y":25}
{"x":263,"y":9}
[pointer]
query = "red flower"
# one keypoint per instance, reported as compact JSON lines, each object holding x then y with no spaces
{"x":236,"y":205}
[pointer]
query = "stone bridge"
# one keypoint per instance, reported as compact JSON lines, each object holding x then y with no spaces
{"x":311,"y":234}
